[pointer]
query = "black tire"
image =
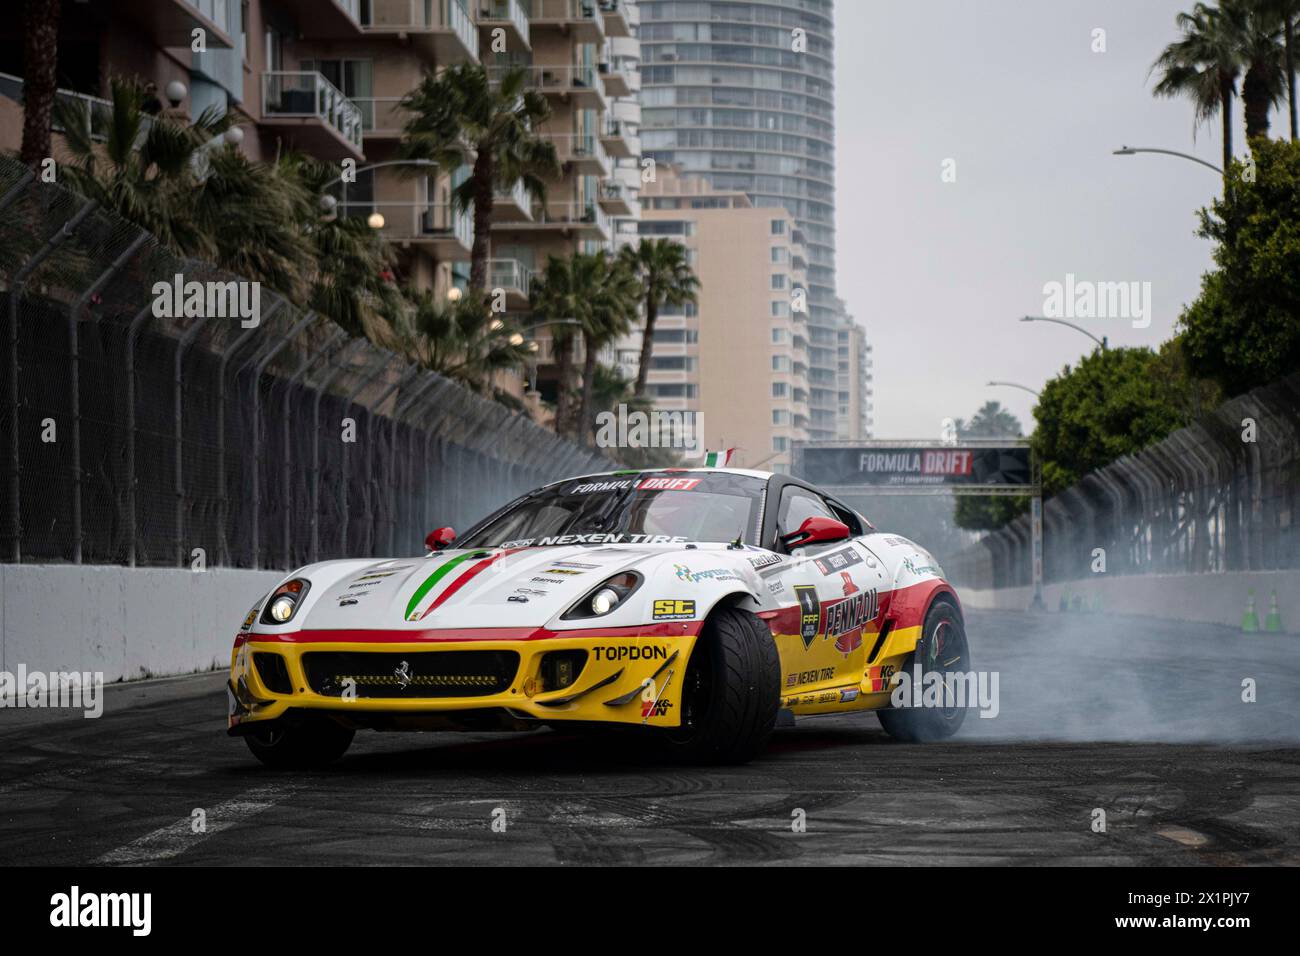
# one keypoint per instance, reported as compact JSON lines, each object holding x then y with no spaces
{"x":300,"y":745}
{"x":730,"y":693}
{"x":943,"y":647}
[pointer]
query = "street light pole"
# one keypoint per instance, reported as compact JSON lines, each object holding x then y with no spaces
{"x":1070,"y":325}
{"x":1134,"y":150}
{"x":1023,"y":388}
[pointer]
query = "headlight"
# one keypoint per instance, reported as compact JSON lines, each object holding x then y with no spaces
{"x":606,"y":598}
{"x":284,"y":601}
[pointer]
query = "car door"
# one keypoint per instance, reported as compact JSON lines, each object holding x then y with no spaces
{"x":833,"y":590}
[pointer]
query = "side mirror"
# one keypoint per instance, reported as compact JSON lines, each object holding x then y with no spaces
{"x":437,"y":540}
{"x":817,"y":530}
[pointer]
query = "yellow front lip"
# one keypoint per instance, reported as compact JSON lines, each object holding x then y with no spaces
{"x":631,"y":678}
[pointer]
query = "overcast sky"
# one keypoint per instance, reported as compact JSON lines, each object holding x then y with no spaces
{"x":1010,"y":89}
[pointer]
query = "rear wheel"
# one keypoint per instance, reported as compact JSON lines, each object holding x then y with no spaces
{"x":300,"y":745}
{"x":942,"y":649}
{"x":730,"y":693}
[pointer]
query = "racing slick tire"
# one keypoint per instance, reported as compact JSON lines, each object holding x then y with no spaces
{"x":300,"y":745}
{"x":730,"y":693}
{"x":943,"y":647}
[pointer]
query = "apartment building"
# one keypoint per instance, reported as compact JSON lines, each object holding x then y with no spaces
{"x":325,"y":77}
{"x":739,"y":357}
{"x":854,"y":376}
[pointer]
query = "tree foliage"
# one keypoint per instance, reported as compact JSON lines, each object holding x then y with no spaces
{"x":1244,"y":328}
{"x":988,"y":513}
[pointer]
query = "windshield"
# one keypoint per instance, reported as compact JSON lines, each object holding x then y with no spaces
{"x":647,"y":508}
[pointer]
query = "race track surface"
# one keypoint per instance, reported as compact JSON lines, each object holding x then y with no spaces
{"x":1141,"y":719}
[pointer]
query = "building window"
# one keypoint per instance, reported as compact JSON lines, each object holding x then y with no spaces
{"x":780,"y":255}
{"x":780,"y":310}
{"x":778,"y":227}
{"x":780,"y":416}
{"x":780,"y":390}
{"x":780,"y":363}
{"x":778,"y":281}
{"x":780,"y":444}
{"x":780,"y":336}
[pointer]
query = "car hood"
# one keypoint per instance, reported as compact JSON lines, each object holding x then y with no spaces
{"x":490,"y":587}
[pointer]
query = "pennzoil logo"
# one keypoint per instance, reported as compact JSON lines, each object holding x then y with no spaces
{"x":810,"y":613}
{"x":669,"y":609}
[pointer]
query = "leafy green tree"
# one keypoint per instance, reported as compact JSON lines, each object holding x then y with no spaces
{"x":460,"y":112}
{"x":1113,"y":403}
{"x":666,"y":275}
{"x":1243,"y":330}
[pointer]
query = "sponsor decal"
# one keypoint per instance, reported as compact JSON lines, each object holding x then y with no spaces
{"x":376,"y":576}
{"x":828,"y":564}
{"x":541,"y":580}
{"x":845,"y":620}
{"x":655,"y":708}
{"x":533,"y":592}
{"x":577,"y":565}
{"x":766,"y":560}
{"x":776,"y":587}
{"x":631,"y":652}
{"x":669,"y":484}
{"x":846,"y":696}
{"x":810,"y":607}
{"x":670,"y":609}
{"x":880,"y":677}
{"x":347,"y":602}
{"x":596,"y":487}
{"x":568,"y":572}
{"x":810,"y":677}
{"x":566,"y":539}
{"x":849,"y":586}
{"x":248,"y":621}
{"x":920,"y":570}
{"x":713,"y":574}
{"x":517,"y":599}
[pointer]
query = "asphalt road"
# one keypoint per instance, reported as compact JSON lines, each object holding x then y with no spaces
{"x":1142,"y":720}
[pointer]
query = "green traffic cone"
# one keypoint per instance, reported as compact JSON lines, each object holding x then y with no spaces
{"x":1250,"y":620}
{"x":1273,"y":623}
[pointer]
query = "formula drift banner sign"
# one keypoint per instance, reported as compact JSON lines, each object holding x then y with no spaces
{"x":928,"y":466}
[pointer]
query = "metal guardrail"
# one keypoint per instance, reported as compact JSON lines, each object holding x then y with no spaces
{"x":132,"y":436}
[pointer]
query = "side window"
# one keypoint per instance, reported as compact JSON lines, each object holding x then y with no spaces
{"x":797,"y":506}
{"x":848,"y":516}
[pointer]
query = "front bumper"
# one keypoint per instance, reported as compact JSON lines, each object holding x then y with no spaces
{"x":625,"y":679}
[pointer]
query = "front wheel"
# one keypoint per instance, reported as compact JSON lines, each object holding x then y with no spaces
{"x":730,"y":693}
{"x":304,"y":745}
{"x":942,"y":650}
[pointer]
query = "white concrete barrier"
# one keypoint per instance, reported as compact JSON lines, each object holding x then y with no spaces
{"x":1207,"y":598}
{"x":126,"y":622}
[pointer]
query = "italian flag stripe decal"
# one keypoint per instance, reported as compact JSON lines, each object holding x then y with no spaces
{"x":718,"y":459}
{"x":464,"y":578}
{"x":439,"y":573}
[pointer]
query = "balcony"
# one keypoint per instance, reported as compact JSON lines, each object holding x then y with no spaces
{"x":513,"y":205}
{"x":513,"y":278}
{"x":617,"y":142}
{"x":580,"y":220}
{"x":381,"y":116}
{"x":312,"y":114}
{"x":615,"y":199}
{"x":578,"y":85}
{"x":508,"y":15}
{"x":324,"y":19}
{"x":614,"y":14}
{"x":440,"y":31}
{"x":436,"y":227}
{"x":172,"y":22}
{"x":579,"y":18}
{"x":614,"y":79}
{"x":581,"y":153}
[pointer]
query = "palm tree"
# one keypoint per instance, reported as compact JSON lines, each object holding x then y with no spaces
{"x":613,"y":300}
{"x":459,"y":112}
{"x":1203,"y":65}
{"x":991,"y":421}
{"x":662,"y":267}
{"x":462,"y":340}
{"x":1283,"y":14}
{"x":40,"y":84}
{"x":1258,"y":36}
{"x":557,"y":293}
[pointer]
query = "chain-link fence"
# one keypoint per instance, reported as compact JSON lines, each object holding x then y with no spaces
{"x":1220,"y":495}
{"x":131,"y":438}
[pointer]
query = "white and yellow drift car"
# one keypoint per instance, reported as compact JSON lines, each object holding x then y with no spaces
{"x":690,"y":604}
